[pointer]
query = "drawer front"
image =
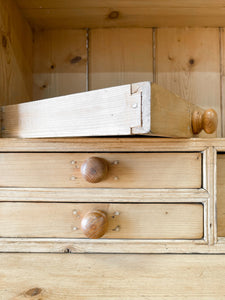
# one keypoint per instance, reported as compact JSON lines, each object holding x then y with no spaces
{"x":125,"y":221}
{"x":124,"y":170}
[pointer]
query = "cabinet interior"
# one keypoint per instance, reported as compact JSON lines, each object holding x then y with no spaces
{"x":54,"y":48}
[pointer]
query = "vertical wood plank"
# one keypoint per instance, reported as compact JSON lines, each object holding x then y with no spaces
{"x":15,"y":55}
{"x":188,"y":64}
{"x":59,"y":63}
{"x":222,"y":44}
{"x":120,"y":56}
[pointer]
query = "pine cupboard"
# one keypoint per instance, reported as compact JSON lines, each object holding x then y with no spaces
{"x":149,"y":220}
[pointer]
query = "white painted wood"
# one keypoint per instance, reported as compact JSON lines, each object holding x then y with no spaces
{"x":111,"y":111}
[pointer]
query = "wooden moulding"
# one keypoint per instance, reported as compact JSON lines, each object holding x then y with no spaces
{"x":140,"y":108}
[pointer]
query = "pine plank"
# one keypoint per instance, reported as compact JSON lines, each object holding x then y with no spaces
{"x":188,"y":64}
{"x":112,"y":111}
{"x":68,"y":4}
{"x":15,"y":55}
{"x":60,"y":59}
{"x":138,"y":108}
{"x":135,"y":221}
{"x":132,"y":170}
{"x":88,"y":276}
{"x":93,"y":14}
{"x":110,"y":144}
{"x":120,"y":56}
{"x":220,"y":195}
{"x":222,"y":41}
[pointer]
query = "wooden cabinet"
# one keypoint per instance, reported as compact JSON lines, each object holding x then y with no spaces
{"x":146,"y":218}
{"x":153,"y":192}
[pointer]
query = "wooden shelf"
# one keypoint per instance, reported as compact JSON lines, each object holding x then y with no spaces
{"x":125,"y":13}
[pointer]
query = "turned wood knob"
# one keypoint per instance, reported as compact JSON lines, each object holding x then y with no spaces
{"x":94,"y":224}
{"x":94,"y":169}
{"x":206,"y":121}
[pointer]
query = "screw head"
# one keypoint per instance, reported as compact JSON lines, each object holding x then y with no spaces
{"x":75,"y":228}
{"x":75,"y":212}
{"x":117,"y":213}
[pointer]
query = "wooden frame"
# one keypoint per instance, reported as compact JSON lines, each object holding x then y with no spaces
{"x":206,"y":195}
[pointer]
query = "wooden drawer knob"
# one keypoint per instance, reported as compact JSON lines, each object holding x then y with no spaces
{"x":94,"y":224}
{"x":94,"y":169}
{"x":206,"y":121}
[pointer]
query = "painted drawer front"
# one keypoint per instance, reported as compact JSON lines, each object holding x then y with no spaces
{"x":125,"y":221}
{"x":125,"y":170}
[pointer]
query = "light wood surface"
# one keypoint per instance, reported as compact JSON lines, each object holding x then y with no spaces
{"x":15,"y":55}
{"x":135,"y":221}
{"x":81,"y":14}
{"x":103,"y":195}
{"x":139,"y":108}
{"x":128,"y":144}
{"x":60,"y":59}
{"x":126,"y":170}
{"x":84,"y":276}
{"x":120,"y":56}
{"x":112,"y":111}
{"x":222,"y":78}
{"x":221,"y":195}
{"x":188,"y":64}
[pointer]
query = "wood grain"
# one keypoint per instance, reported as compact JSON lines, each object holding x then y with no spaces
{"x":92,"y":14}
{"x":222,"y":41}
{"x":120,"y":56}
{"x":110,"y":144}
{"x":60,"y":59}
{"x":15,"y":55}
{"x":85,"y":276}
{"x":188,"y":64}
{"x":135,"y":221}
{"x":221,"y":195}
{"x":112,"y":111}
{"x":126,"y":170}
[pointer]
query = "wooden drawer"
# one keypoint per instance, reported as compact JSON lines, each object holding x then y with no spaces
{"x":125,"y":221}
{"x":125,"y":170}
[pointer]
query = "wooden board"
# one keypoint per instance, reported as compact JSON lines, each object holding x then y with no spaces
{"x":60,"y":62}
{"x":85,"y":276}
{"x":120,"y":56}
{"x":188,"y":64}
{"x":112,"y":111}
{"x":221,"y":195}
{"x":135,"y":221}
{"x":92,"y":14}
{"x":15,"y":55}
{"x":126,"y":170}
{"x":138,"y":108}
{"x":222,"y":41}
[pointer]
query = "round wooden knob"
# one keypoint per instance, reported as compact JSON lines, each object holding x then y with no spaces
{"x":94,"y":169}
{"x":94,"y":224}
{"x":206,"y":121}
